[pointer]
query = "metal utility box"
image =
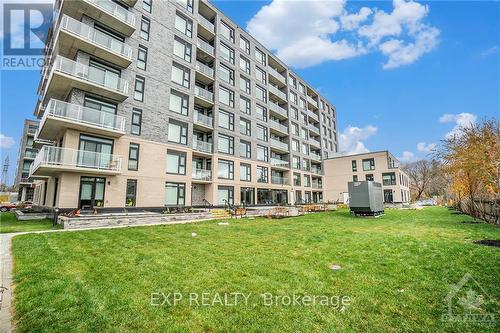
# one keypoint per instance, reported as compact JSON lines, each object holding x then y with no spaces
{"x":366,"y":198}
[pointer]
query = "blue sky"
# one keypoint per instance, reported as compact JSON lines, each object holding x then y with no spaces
{"x":454,"y":76}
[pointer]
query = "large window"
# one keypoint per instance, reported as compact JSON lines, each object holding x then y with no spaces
{"x":354,"y":166}
{"x":262,"y":132}
{"x":295,"y":146}
{"x":296,"y":179}
{"x":369,"y":177}
{"x":188,"y":4}
{"x":180,"y":75}
{"x":136,"y":123}
{"x":295,"y":162}
{"x":245,"y":149}
{"x":175,"y":194}
{"x":260,"y":75}
{"x":227,"y":53}
{"x":261,"y":112}
{"x":245,"y":105}
{"x":177,"y":132}
{"x":133,"y":157}
{"x":262,"y":174}
{"x":226,"y":96}
{"x":226,"y":74}
{"x":131,"y":194}
{"x":145,"y":26}
{"x":389,"y":179}
{"x":244,"y":44}
{"x":179,"y":103}
{"x":225,"y":194}
{"x":146,"y":5}
{"x":226,"y":144}
{"x":225,"y":169}
{"x":245,"y":127}
{"x":142,"y":57}
{"x":182,"y":49}
{"x":245,"y":64}
{"x":226,"y":120}
{"x":226,"y":31}
{"x":260,"y":56}
{"x":368,"y":164}
{"x":244,"y":84}
{"x":292,"y":81}
{"x":176,"y":162}
{"x":184,"y":25}
{"x":261,"y":94}
{"x":262,"y":153}
{"x":139,"y":88}
{"x":245,"y":172}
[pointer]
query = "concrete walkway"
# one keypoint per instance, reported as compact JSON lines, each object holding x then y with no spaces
{"x":6,"y":288}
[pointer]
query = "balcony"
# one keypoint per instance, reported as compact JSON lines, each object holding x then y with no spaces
{"x":130,"y":3}
{"x":278,"y":110}
{"x":59,"y":116}
{"x":204,"y":121}
{"x":314,"y":143}
{"x":276,"y":126}
{"x":314,"y":129}
{"x":279,"y":145}
{"x":107,"y":12}
{"x":275,"y":74}
{"x":278,"y":162}
{"x":316,"y":170}
{"x":202,"y":146}
{"x":280,"y":180}
{"x":66,"y":74}
{"x":52,"y":160}
{"x":206,"y":97}
{"x":315,"y":157}
{"x":317,"y":185}
{"x":313,"y":116}
{"x":202,"y":174}
{"x":205,"y":47}
{"x":207,"y":72}
{"x":74,"y":35}
{"x":25,"y":180}
{"x":312,"y":102}
{"x":278,"y":93}
{"x":206,"y":27}
{"x":30,"y":154}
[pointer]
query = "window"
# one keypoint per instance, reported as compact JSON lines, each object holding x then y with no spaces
{"x":182,"y":49}
{"x":136,"y":123}
{"x":245,"y":64}
{"x":184,"y":25}
{"x":225,"y":195}
{"x":307,"y":181}
{"x":176,"y":162}
{"x":245,"y":105}
{"x":131,"y":193}
{"x":292,"y":81}
{"x":305,"y":148}
{"x":354,"y":166}
{"x":295,"y":129}
{"x":389,"y":179}
{"x":133,"y":157}
{"x":355,"y":178}
{"x":368,"y":164}
{"x":142,"y":57}
{"x":225,"y":169}
{"x":226,"y":74}
{"x":260,"y":56}
{"x":295,"y":162}
{"x":180,"y":75}
{"x":146,"y":5}
{"x":245,"y":149}
{"x":177,"y":132}
{"x":262,"y":174}
{"x":306,"y":165}
{"x":262,"y":153}
{"x":260,"y":93}
{"x":179,"y":103}
{"x":145,"y":26}
{"x":245,"y":127}
{"x":304,"y":118}
{"x":226,"y":31}
{"x":244,"y":84}
{"x":296,"y":179}
{"x":244,"y":44}
{"x":226,"y":120}
{"x":293,"y":97}
{"x":188,"y":4}
{"x":302,"y":88}
{"x":226,"y":96}
{"x":139,"y":88}
{"x":227,"y":53}
{"x":303,"y":133}
{"x":302,"y":103}
{"x":226,"y":144}
{"x":369,"y":177}
{"x":260,"y":75}
{"x":175,"y":194}
{"x":245,"y":172}
{"x":295,"y":145}
{"x":261,"y":113}
{"x":262,"y":132}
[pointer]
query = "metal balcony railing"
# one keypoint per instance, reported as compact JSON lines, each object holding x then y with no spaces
{"x":202,"y":174}
{"x":82,"y":114}
{"x":202,"y":146}
{"x":205,"y":46}
{"x":204,"y":120}
{"x":88,"y":33}
{"x":90,"y":74}
{"x":202,"y":68}
{"x":206,"y":23}
{"x":66,"y":157}
{"x":203,"y":93}
{"x":115,"y":10}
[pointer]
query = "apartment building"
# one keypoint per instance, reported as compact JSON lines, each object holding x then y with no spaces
{"x":25,"y":157}
{"x":379,"y":166}
{"x":152,"y":103}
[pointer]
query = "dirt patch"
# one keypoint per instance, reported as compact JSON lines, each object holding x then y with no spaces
{"x":488,"y":242}
{"x":472,"y":222}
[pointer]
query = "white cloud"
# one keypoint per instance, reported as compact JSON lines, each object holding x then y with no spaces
{"x":407,"y":156}
{"x":6,"y":141}
{"x":351,"y":139}
{"x":490,"y":51}
{"x":425,"y":148}
{"x":461,"y":120}
{"x":306,"y":33}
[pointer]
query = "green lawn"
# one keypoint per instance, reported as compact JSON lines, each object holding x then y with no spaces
{"x":396,"y":269}
{"x":9,"y":223}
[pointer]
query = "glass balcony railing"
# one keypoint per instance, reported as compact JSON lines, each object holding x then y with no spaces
{"x":73,"y":158}
{"x":205,"y":46}
{"x":79,"y":113}
{"x":202,"y":146}
{"x":202,"y":174}
{"x":277,"y":92}
{"x":278,"y":109}
{"x":115,"y":10}
{"x":206,"y":23}
{"x":278,"y":144}
{"x":279,"y":162}
{"x":204,"y":93}
{"x":204,"y":120}
{"x":277,"y":75}
{"x":277,"y":126}
{"x":90,"y":74}
{"x":279,"y":180}
{"x":90,"y":34}
{"x":202,"y":68}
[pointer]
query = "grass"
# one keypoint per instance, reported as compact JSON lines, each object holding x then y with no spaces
{"x":9,"y":223}
{"x":396,"y":269}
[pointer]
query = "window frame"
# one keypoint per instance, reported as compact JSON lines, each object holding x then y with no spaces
{"x":133,"y":146}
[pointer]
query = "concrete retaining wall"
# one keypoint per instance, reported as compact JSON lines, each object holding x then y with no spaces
{"x":20,"y":216}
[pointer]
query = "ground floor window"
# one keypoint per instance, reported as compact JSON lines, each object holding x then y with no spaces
{"x":131,"y":193}
{"x":388,"y":198}
{"x":247,"y":196}
{"x":175,"y":194}
{"x":307,"y":197}
{"x":91,"y":192}
{"x":271,"y":197}
{"x":298,"y":196}
{"x":317,"y":197}
{"x":225,"y":194}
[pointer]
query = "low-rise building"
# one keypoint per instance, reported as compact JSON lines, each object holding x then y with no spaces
{"x":25,"y":157}
{"x":379,"y":166}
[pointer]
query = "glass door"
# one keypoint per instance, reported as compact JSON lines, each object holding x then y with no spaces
{"x":95,"y":152}
{"x":91,"y":192}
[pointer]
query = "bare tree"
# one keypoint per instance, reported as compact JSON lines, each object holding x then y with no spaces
{"x":421,"y":174}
